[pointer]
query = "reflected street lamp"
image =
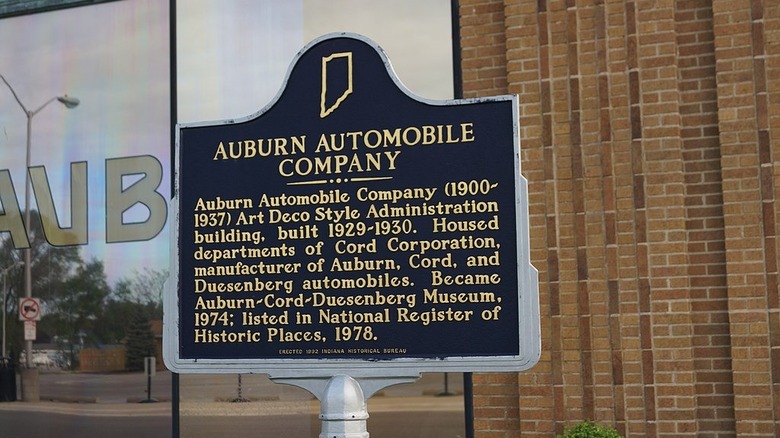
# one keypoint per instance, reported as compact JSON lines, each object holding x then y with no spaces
{"x":69,"y":102}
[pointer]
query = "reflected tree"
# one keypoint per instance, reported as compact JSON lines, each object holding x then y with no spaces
{"x":140,"y":341}
{"x":51,"y":268}
{"x":146,"y":287}
{"x":133,"y":297}
{"x":75,"y":309}
{"x":78,"y":305}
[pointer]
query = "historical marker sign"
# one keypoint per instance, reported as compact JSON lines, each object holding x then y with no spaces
{"x":352,"y":226}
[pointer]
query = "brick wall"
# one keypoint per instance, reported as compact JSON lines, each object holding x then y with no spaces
{"x":646,"y":137}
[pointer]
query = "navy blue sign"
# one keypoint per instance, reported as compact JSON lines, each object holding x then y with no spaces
{"x":351,"y":222}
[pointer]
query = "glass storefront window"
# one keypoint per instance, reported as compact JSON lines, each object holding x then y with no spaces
{"x":98,"y":203}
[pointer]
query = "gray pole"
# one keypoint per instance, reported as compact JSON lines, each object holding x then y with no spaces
{"x":30,"y":382}
{"x":28,"y":250}
{"x":69,"y":102}
{"x":343,"y":411}
{"x":5,"y":300}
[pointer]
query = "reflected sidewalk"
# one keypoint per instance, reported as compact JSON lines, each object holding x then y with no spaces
{"x":120,"y":394}
{"x":252,"y":408}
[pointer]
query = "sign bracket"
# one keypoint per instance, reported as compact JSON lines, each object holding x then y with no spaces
{"x":343,"y":399}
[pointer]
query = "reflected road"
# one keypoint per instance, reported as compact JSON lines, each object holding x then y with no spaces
{"x":105,"y":405}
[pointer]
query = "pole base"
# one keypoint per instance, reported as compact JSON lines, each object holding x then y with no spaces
{"x":31,"y":385}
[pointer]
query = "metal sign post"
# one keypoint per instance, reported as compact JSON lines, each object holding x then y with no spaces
{"x":351,"y":235}
{"x":150,"y":370}
{"x":343,"y":399}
